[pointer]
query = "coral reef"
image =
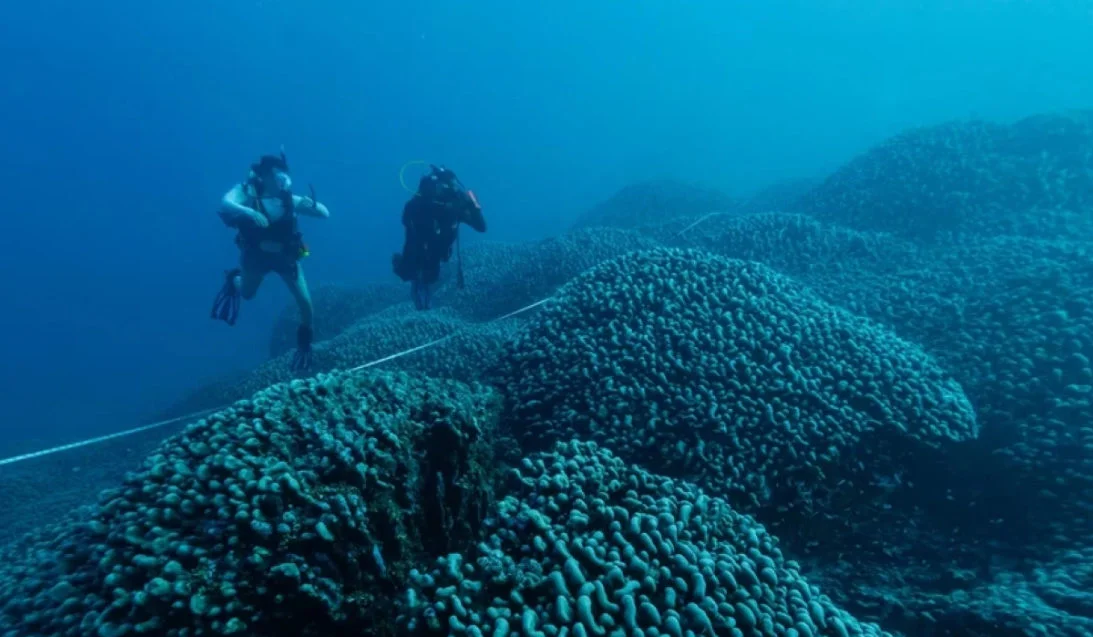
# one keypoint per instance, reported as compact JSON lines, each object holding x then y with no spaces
{"x":294,"y":513}
{"x":1045,"y":596}
{"x":586,"y":544}
{"x":1031,"y":178}
{"x":794,"y":414}
{"x":654,"y":202}
{"x":466,"y":352}
{"x":337,"y":306}
{"x":731,"y":375}
{"x":502,"y":279}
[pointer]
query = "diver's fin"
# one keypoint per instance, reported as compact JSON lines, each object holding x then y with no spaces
{"x":301,"y":360}
{"x":227,"y":301}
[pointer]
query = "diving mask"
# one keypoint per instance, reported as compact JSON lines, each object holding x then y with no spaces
{"x":281,"y":180}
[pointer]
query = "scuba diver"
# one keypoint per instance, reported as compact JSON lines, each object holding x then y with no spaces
{"x":432,"y":217}
{"x":264,"y":211}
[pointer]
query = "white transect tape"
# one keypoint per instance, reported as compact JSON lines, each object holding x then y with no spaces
{"x":704,"y":218}
{"x":205,"y":412}
{"x":91,"y":441}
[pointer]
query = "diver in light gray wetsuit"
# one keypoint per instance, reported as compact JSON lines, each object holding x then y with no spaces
{"x":264,"y":211}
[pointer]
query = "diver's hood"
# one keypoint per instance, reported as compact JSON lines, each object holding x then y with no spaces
{"x":268,"y":163}
{"x":439,"y":182}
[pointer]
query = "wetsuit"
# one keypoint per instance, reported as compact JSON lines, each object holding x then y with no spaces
{"x":432,"y":224}
{"x":275,"y":247}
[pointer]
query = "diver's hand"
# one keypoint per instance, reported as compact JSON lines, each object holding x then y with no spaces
{"x":259,"y":219}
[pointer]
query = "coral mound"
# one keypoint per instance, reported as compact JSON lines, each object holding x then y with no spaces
{"x":1032,"y":178}
{"x":801,"y":246}
{"x":337,"y":306}
{"x":654,"y":202}
{"x":501,"y":278}
{"x":1012,"y":318}
{"x":1047,"y":595}
{"x":286,"y":515}
{"x":589,"y":545}
{"x":730,"y":374}
{"x":465,"y":352}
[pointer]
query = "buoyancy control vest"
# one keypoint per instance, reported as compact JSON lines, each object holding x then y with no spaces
{"x":283,"y":231}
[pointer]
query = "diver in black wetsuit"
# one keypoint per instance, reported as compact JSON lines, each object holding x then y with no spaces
{"x":432,"y":219}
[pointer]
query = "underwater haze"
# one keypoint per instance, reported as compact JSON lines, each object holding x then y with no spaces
{"x":776,"y":319}
{"x":124,"y":122}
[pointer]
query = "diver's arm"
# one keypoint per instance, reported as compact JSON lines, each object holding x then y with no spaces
{"x":472,"y":216}
{"x":309,"y":207}
{"x":232,"y":210}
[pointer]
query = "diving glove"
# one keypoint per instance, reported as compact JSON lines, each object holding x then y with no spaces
{"x":226,"y":304}
{"x":301,"y":360}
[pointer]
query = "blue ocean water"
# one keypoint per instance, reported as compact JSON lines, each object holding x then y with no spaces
{"x":123,"y":123}
{"x":856,"y":403}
